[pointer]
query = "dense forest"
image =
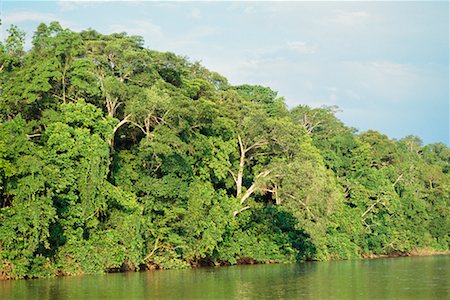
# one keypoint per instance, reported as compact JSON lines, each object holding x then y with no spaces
{"x":115,"y":157}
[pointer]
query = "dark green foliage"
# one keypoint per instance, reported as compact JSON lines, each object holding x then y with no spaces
{"x":114,"y":157}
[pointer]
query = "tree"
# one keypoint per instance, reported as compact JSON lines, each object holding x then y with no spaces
{"x":114,"y":157}
{"x":148,"y":109}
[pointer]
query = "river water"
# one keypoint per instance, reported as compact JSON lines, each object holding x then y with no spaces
{"x":390,"y":278}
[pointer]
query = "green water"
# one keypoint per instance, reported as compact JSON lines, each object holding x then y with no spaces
{"x":395,"y":278}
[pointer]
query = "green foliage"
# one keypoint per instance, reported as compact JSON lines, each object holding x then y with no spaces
{"x":114,"y":157}
{"x":207,"y":215}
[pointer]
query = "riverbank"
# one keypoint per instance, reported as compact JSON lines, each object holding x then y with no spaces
{"x":413,"y":253}
{"x":401,"y":278}
{"x":249,"y":261}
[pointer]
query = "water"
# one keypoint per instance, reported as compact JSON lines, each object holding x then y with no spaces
{"x":395,"y":278}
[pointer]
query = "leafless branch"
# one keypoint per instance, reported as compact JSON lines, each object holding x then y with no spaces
{"x":235,"y":213}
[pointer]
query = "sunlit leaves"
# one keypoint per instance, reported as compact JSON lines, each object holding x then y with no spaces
{"x":117,"y":157}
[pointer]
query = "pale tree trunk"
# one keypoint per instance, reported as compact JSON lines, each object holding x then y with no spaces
{"x":63,"y":79}
{"x":371,"y":207}
{"x":397,"y":180}
{"x":120,"y":124}
{"x":146,"y":126}
{"x":307,"y":124}
{"x":275,"y":193}
{"x":112,"y":104}
{"x":63,"y":82}
{"x":253,"y":188}
{"x":241,"y":168}
{"x":243,"y":149}
{"x":238,"y":177}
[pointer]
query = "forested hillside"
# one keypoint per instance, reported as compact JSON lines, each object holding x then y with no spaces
{"x":116,"y":157}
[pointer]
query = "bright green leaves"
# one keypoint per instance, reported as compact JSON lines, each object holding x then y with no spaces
{"x":27,"y":209}
{"x":80,"y":158}
{"x":15,"y":150}
{"x":25,"y":229}
{"x":149,"y":109}
{"x":197,"y":88}
{"x":82,"y":116}
{"x":65,"y":187}
{"x":207,"y":214}
{"x":83,"y":84}
{"x":62,"y":47}
{"x":310,"y":193}
{"x":12,"y":51}
{"x":47,"y":72}
{"x":267,"y":98}
{"x":116,"y":157}
{"x":213,"y":157}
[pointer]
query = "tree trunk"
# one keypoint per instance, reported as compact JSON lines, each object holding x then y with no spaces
{"x":120,"y":124}
{"x":240,"y":173}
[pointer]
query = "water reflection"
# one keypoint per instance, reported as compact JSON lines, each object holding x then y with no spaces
{"x":402,"y":278}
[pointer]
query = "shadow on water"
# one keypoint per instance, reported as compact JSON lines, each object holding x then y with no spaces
{"x":399,"y":278}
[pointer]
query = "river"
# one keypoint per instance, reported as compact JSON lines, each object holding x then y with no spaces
{"x":389,"y":278}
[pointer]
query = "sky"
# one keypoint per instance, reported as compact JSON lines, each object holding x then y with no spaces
{"x":384,"y":64}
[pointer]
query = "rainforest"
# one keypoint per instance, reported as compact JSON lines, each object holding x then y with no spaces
{"x":115,"y":157}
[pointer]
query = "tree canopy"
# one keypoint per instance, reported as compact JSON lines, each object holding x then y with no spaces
{"x":117,"y":157}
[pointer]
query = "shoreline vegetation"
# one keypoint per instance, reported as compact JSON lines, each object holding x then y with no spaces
{"x":115,"y":157}
{"x":413,"y":253}
{"x":250,"y":261}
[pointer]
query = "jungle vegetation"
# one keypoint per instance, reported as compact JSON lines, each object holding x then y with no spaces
{"x":117,"y":157}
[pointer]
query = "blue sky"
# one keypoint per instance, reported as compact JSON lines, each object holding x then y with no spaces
{"x":385,"y":64}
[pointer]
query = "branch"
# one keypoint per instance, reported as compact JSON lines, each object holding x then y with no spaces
{"x":62,"y":98}
{"x":30,"y":136}
{"x":241,"y":146}
{"x":235,"y":213}
{"x":139,"y":126}
{"x":274,"y":191}
{"x":124,"y":120}
{"x":371,"y":207}
{"x":240,"y":173}
{"x":277,"y":195}
{"x":234,"y":176}
{"x":304,"y":205}
{"x":398,"y":179}
{"x":258,"y":144}
{"x":367,"y":226}
{"x":238,"y":178}
{"x":248,"y":193}
{"x":262,"y":154}
{"x":112,"y":106}
{"x":156,"y":247}
{"x":252,"y":188}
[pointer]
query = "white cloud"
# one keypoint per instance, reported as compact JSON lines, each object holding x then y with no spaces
{"x":353,"y":94}
{"x":68,"y":5}
{"x":144,"y":28}
{"x":249,"y":10}
{"x":394,"y":81}
{"x":195,"y":14}
{"x":191,"y":40}
{"x":301,"y":47}
{"x":166,"y":5}
{"x":350,"y":18}
{"x":27,"y":16}
{"x":391,"y":68}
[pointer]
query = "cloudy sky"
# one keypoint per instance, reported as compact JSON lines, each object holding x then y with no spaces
{"x":385,"y":64}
